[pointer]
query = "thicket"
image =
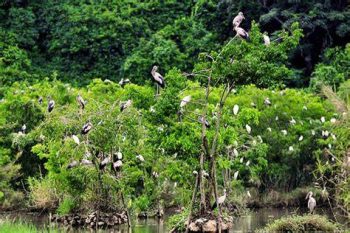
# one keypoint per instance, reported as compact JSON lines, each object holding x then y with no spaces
{"x":58,"y":50}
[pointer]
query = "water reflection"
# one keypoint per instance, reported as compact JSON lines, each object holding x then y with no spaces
{"x":248,"y":223}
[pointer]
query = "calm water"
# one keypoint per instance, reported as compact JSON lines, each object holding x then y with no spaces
{"x":247,"y":223}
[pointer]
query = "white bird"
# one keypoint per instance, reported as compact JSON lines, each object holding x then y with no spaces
{"x":140,"y":157}
{"x":292,"y":121}
{"x":241,"y":160}
{"x":24,"y":127}
{"x":235,"y":109}
{"x":205,"y":174}
{"x":248,"y":128}
{"x":248,"y":194}
{"x":50,"y":105}
{"x":291,"y":148}
{"x":104,"y":162}
{"x":158,"y":78}
{"x":313,"y":132}
{"x":334,"y":137}
{"x":185,"y":100}
{"x":325,"y":133}
{"x":253,"y":104}
{"x":86,"y":128}
{"x":119,"y":155}
{"x":220,"y":200}
{"x":323,"y":119}
{"x":118,"y":164}
{"x":235,"y":175}
{"x":76,"y":139}
{"x":266,"y":40}
{"x":195,"y":173}
{"x":301,"y":138}
{"x":123,"y":82}
{"x":235,"y":152}
{"x":284,"y":132}
{"x":241,"y":33}
{"x":267,"y":101}
{"x":269,"y":129}
{"x":311,"y":204}
{"x":276,"y":118}
{"x":155,"y":174}
{"x":81,"y":101}
{"x":333,"y":120}
{"x":247,"y":163}
{"x":125,"y":105}
{"x":304,"y":108}
{"x":238,"y":19}
{"x":260,"y":139}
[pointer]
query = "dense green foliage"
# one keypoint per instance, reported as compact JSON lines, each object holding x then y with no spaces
{"x":57,"y":50}
{"x":300,"y":224}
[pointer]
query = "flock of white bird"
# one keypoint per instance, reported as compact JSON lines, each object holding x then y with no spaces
{"x":159,"y":80}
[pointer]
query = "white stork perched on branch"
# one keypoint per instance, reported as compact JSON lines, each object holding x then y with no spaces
{"x":81,"y":101}
{"x":238,"y":20}
{"x":158,"y":78}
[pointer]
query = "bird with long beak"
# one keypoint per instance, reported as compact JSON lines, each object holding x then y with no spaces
{"x":157,"y":78}
{"x":81,"y":101}
{"x":220,"y":201}
{"x":238,"y":19}
{"x":311,"y":204}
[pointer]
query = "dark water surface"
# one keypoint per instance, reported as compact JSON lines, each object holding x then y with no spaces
{"x":247,"y":223}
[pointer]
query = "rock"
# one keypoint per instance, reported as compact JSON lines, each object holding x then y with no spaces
{"x":209,"y":226}
{"x":193,"y":227}
{"x":101,"y":223}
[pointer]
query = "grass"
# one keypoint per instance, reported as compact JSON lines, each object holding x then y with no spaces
{"x":305,"y":223}
{"x":7,"y":226}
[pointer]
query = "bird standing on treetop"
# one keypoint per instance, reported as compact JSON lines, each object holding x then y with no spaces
{"x":185,"y":100}
{"x":238,"y":19}
{"x":220,"y":200}
{"x":311,"y":204}
{"x":158,"y":78}
{"x":267,"y":41}
{"x":81,"y":101}
{"x":123,"y":82}
{"x":241,"y":33}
